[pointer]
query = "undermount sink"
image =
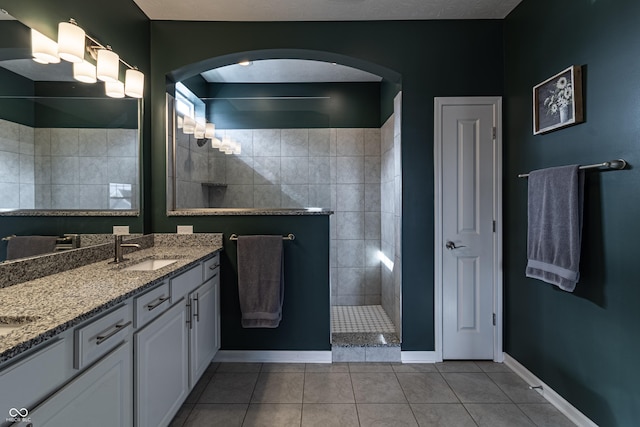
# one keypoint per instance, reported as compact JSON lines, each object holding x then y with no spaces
{"x":9,"y":324}
{"x":150,"y":264}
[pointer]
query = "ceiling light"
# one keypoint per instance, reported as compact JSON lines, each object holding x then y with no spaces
{"x":43,"y":49}
{"x":134,"y":83}
{"x":108,"y":65}
{"x":114,"y":89}
{"x":245,"y":63}
{"x":84,"y":72}
{"x":71,"y":41}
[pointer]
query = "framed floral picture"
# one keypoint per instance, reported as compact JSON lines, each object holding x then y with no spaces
{"x":557,"y":101}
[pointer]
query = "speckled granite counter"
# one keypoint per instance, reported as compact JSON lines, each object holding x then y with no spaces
{"x":60,"y":301}
{"x":249,"y":211}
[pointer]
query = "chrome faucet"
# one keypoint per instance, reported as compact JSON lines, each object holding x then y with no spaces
{"x":119,"y":256}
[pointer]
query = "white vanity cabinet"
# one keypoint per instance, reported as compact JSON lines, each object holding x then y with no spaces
{"x":161,"y":367}
{"x":99,"y":397}
{"x":203,"y":328}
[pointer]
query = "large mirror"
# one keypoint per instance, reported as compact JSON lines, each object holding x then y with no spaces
{"x":64,"y":145}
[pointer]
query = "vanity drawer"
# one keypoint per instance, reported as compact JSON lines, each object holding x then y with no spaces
{"x":151,"y":304}
{"x":185,"y":282}
{"x":95,"y":339}
{"x":212,"y":267}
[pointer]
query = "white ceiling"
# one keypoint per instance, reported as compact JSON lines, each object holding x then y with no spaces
{"x":324,"y":10}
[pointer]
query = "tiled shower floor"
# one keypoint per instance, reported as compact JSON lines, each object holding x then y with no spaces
{"x":360,"y":318}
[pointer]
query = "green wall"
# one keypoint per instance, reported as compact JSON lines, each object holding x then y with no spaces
{"x":121,"y":24}
{"x":585,"y":344}
{"x":433,"y":58}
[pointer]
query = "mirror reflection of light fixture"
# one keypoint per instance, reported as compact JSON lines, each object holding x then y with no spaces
{"x":134,"y":83}
{"x":210,"y":131}
{"x":71,"y":41}
{"x":114,"y":89}
{"x":188,"y":125}
{"x":43,"y":49}
{"x":245,"y":63}
{"x":237,"y":149}
{"x":84,"y":72}
{"x":215,"y":143}
{"x":108,"y":65}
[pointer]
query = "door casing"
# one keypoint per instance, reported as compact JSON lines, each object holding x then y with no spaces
{"x":439,"y":103}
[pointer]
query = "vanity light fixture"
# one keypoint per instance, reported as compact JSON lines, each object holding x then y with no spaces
{"x":71,"y":41}
{"x":188,"y":125}
{"x":43,"y":49}
{"x":114,"y":89}
{"x":134,"y":83}
{"x":84,"y":72}
{"x":215,"y":143}
{"x":237,"y":149}
{"x":108,"y":65}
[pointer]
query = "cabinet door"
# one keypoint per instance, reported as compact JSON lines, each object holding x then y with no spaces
{"x":162,"y":367}
{"x":203,"y":336}
{"x":101,"y":396}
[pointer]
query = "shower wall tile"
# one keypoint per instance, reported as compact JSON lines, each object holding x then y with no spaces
{"x":92,"y":142}
{"x":238,"y":195}
{"x":372,"y":168}
{"x":351,"y":281}
{"x":27,"y":140}
{"x":350,"y":225}
{"x":371,"y":247}
{"x":64,"y":142}
{"x":93,"y":170}
{"x":320,"y":195}
{"x":27,"y":172}
{"x":319,"y":170}
{"x":350,"y":142}
{"x":372,"y":142}
{"x":245,"y":138}
{"x":351,"y":253}
{"x":266,"y":142}
{"x":239,"y":171}
{"x":9,"y":130}
{"x":10,"y":196}
{"x":350,"y":198}
{"x":319,"y":142}
{"x":350,"y":170}
{"x":42,"y":141}
{"x":9,"y":167}
{"x":372,"y":201}
{"x":64,"y":170}
{"x":295,"y":195}
{"x":122,"y":170}
{"x":217,"y":170}
{"x":43,"y":196}
{"x":294,"y":170}
{"x":294,"y":142}
{"x":266,"y":170}
{"x":372,"y":225}
{"x":64,"y":197}
{"x":93,"y":197}
{"x":9,"y":145}
{"x":27,"y":196}
{"x":122,"y":143}
{"x":266,"y":196}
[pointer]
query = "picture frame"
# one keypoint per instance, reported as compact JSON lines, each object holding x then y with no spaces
{"x":557,"y":101}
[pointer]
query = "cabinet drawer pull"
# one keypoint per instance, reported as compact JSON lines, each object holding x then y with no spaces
{"x":116,"y":328}
{"x":196,"y":313}
{"x":156,"y":302}
{"x":213,"y":267}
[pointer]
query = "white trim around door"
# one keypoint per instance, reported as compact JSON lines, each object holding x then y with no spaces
{"x":439,"y":103}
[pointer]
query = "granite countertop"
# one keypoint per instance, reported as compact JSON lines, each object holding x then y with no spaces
{"x":55,"y":303}
{"x":250,"y":211}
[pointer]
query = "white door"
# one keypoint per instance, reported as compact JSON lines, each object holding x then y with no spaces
{"x":466,"y":228}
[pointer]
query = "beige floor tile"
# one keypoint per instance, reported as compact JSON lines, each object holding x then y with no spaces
{"x":545,"y":415}
{"x":370,"y":367}
{"x":283,"y":367}
{"x":458,"y":366}
{"x":278,"y":387}
{"x":329,"y":415}
{"x":442,"y":415}
{"x":273,"y":414}
{"x":229,"y":387}
{"x":414,"y":367}
{"x":387,"y":415}
{"x":498,"y":415}
{"x":516,"y":388}
{"x":471,"y":387}
{"x":377,"y":387}
{"x":216,"y":415}
{"x":327,"y":367}
{"x":328,"y":388}
{"x":426,"y":388}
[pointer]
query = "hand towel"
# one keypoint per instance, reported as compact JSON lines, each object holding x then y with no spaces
{"x":26,"y":246}
{"x":554,"y":234}
{"x":260,"y":280}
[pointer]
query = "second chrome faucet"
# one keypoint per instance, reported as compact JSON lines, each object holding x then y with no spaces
{"x":118,"y":254}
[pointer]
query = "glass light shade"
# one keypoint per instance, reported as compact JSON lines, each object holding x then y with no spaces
{"x":84,"y":72}
{"x":134,"y":83}
{"x":114,"y":89}
{"x":215,"y":143}
{"x":71,"y":42}
{"x":108,"y":66}
{"x":198,"y":133}
{"x":201,"y":126}
{"x":210,"y":131}
{"x":188,"y":125}
{"x":43,"y":49}
{"x":237,"y":149}
{"x":228,"y":151}
{"x":225,"y":144}
{"x":179,"y":122}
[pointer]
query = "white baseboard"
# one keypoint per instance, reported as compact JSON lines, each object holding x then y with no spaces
{"x":418,"y":357}
{"x":273,"y":356}
{"x":547,"y":392}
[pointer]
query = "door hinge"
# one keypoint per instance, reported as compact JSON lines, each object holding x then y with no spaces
{"x":494,"y":319}
{"x":493,"y":133}
{"x":494,"y":226}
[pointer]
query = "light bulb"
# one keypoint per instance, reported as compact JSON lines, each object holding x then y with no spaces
{"x":71,"y":42}
{"x":108,"y":66}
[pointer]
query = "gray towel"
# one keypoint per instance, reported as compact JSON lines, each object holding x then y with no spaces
{"x":555,"y":225}
{"x":260,"y":280}
{"x":27,"y":246}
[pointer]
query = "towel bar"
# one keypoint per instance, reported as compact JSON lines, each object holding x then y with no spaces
{"x":611,"y":164}
{"x":289,"y":236}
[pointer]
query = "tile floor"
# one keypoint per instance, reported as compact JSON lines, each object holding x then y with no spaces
{"x":360,"y":318}
{"x":453,"y":394}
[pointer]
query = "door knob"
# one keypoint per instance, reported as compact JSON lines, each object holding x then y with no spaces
{"x":450,"y":245}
